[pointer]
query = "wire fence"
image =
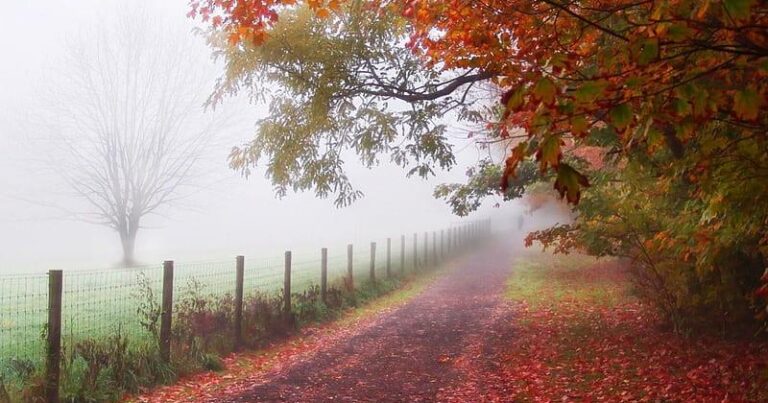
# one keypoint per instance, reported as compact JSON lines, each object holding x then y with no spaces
{"x":129,"y":302}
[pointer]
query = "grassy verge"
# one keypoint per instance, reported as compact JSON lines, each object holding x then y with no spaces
{"x":581,"y":335}
{"x":544,"y":281}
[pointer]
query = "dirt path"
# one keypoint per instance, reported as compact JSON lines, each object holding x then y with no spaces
{"x":435,"y":347}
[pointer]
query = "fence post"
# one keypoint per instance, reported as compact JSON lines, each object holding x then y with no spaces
{"x":456,"y":238}
{"x":442,"y":244}
{"x":287,"y":287}
{"x":167,"y":312}
{"x":323,"y":274}
{"x":402,"y":254}
{"x":389,"y":257}
{"x":350,"y":268}
{"x":415,"y":251}
{"x":53,"y":347}
{"x":373,"y":262}
{"x":239,"y":279}
{"x":434,"y":248}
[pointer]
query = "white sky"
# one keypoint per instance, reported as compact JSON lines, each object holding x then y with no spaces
{"x":237,"y":217}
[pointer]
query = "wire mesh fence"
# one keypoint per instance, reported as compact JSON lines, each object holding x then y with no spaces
{"x":97,"y":305}
{"x":23,"y":317}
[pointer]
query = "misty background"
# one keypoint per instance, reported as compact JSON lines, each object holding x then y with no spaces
{"x":225,"y":215}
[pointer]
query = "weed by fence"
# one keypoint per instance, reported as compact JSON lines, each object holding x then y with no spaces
{"x":123,"y":329}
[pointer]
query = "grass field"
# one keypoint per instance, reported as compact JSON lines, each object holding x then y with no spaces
{"x":98,"y":304}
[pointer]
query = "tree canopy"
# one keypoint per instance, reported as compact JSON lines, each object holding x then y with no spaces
{"x":668,"y":98}
{"x":339,"y":84}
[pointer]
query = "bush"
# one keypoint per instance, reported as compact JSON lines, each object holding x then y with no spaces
{"x":202,"y":325}
{"x":101,"y":370}
{"x":262,"y":319}
{"x":695,"y":235}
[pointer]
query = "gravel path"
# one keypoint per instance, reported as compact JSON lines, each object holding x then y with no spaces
{"x":434,"y":348}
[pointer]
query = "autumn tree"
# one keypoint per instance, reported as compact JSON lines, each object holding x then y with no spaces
{"x":337,"y":85}
{"x":672,"y":93}
{"x":126,"y":122}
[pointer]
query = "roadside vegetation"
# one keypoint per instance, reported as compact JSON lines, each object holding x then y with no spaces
{"x":110,"y":368}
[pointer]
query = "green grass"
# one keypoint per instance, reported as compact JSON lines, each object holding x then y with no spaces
{"x":543,"y":280}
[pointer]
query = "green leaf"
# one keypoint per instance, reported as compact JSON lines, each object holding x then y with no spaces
{"x":590,"y":91}
{"x":738,"y":9}
{"x":549,"y":152}
{"x":746,"y":104}
{"x":569,"y":183}
{"x":679,"y":32}
{"x":621,"y":116}
{"x":579,"y":125}
{"x":648,"y":51}
{"x":545,"y":91}
{"x":682,"y":107}
{"x":516,"y":99}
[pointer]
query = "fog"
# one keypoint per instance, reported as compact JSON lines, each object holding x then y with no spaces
{"x":225,"y":216}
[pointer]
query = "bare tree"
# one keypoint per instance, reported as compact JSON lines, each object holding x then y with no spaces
{"x":128,"y":124}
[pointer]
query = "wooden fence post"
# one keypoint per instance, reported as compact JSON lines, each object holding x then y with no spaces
{"x":442,"y":244}
{"x":456,"y":237}
{"x":415,"y":251}
{"x":53,"y":346}
{"x":434,"y":248}
{"x":389,"y":257}
{"x":323,"y":274}
{"x":373,"y":262}
{"x":350,"y":268}
{"x":402,"y":254}
{"x":167,"y":312}
{"x":287,"y":287}
{"x":239,"y":279}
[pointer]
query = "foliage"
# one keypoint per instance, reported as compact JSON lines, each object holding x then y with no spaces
{"x":203,"y":325}
{"x":648,"y":70}
{"x":263,"y":319}
{"x":671,"y":93}
{"x":695,"y":230}
{"x":341,"y":86}
{"x":483,"y":181}
{"x":98,"y":370}
{"x":148,"y":308}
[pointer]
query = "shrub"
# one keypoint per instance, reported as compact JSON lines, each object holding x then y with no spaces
{"x":202,"y":324}
{"x":102,"y":369}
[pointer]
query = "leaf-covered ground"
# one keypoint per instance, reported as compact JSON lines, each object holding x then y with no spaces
{"x":503,"y":326}
{"x":580,"y":335}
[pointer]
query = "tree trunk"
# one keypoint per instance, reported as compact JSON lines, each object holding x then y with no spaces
{"x":128,"y":240}
{"x":129,"y":244}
